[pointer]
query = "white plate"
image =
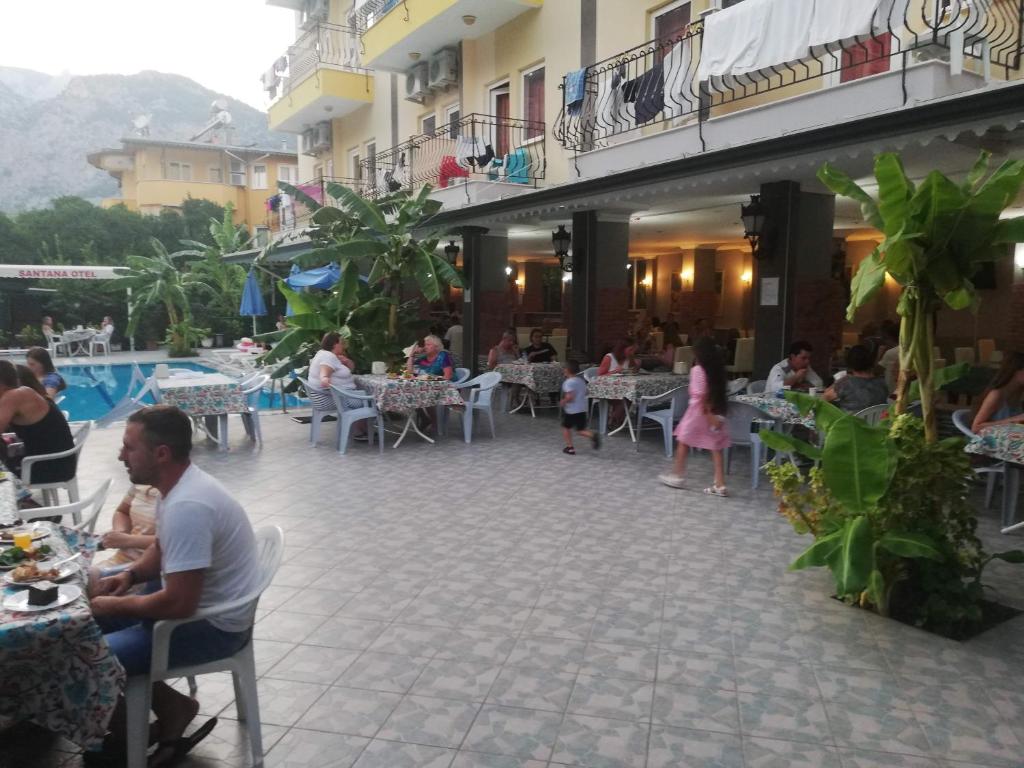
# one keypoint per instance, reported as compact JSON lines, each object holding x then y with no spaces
{"x":37,"y":532}
{"x":65,"y":570}
{"x":66,"y":593}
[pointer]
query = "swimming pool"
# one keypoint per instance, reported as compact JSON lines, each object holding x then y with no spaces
{"x":94,"y":389}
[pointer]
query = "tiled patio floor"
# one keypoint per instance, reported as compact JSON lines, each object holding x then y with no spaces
{"x":502,"y":605}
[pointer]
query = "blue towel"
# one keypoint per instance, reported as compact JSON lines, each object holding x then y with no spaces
{"x":575,"y":83}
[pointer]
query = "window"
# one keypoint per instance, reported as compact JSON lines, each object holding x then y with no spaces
{"x":216,"y":174}
{"x":453,"y":115}
{"x":671,"y":22}
{"x":371,"y":161}
{"x":428,"y":125}
{"x":179,"y":171}
{"x":641,"y":281}
{"x":238,"y":173}
{"x":355,"y":165}
{"x":262,"y":237}
{"x":533,"y":102}
{"x":259,"y":176}
{"x":499,"y":99}
{"x":289,"y":174}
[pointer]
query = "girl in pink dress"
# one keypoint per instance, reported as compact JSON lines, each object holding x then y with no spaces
{"x":704,"y":425}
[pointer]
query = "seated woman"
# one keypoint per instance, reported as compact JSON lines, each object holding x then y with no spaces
{"x":39,"y":425}
{"x":40,"y":363}
{"x":1002,"y":401}
{"x":539,"y":350}
{"x":432,"y":358}
{"x":860,"y":388}
{"x":330,"y":366}
{"x":622,"y":359}
{"x":133,"y":529}
{"x":505,"y":351}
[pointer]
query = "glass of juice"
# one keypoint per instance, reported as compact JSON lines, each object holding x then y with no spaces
{"x":23,"y":541}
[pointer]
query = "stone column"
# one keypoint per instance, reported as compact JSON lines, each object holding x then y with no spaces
{"x":485,"y":305}
{"x":600,"y":282}
{"x":795,"y":295}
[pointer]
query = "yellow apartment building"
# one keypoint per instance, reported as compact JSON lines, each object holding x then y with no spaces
{"x":156,"y":175}
{"x":646,"y":128}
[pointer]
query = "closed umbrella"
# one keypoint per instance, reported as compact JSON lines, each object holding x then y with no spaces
{"x":252,"y":300}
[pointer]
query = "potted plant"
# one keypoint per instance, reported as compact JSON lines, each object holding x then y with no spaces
{"x":888,"y":505}
{"x":207,"y":342}
{"x":31,"y":337}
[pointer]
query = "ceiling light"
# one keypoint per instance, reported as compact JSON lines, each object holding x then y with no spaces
{"x":414,"y":55}
{"x":469,"y":20}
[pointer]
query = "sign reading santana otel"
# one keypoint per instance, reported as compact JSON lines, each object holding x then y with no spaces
{"x":32,"y":272}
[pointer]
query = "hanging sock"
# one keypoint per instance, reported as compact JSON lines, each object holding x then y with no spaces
{"x":482,"y":161}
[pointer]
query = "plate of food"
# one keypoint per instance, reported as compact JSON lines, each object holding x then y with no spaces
{"x":12,"y":557}
{"x":31,"y":573}
{"x":36,"y":531}
{"x":44,"y":596}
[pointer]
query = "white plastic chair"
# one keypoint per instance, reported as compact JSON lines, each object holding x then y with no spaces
{"x":321,"y":404}
{"x":736,"y":387}
{"x":251,"y":419}
{"x":242,"y":666}
{"x":589,"y":374}
{"x":962,"y":421}
{"x":100,"y":341}
{"x":757,"y":387}
{"x":873,"y":413}
{"x":739,"y":419}
{"x":51,"y":491}
{"x":92,"y":505}
{"x":366,"y":409}
{"x":480,"y":397}
{"x":666,"y":417}
{"x":441,"y":412}
{"x":54,"y":344}
{"x":743,"y":360}
{"x":461,"y":377}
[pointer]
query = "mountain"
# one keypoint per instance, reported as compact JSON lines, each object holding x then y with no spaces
{"x":49,"y":124}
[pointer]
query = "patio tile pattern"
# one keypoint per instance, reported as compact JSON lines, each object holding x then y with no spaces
{"x":502,"y":605}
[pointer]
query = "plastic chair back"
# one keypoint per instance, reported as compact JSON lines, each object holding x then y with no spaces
{"x":461,"y":377}
{"x":739,"y":418}
{"x":561,"y":345}
{"x":873,"y":414}
{"x":92,"y":505}
{"x":736,"y":386}
{"x":318,"y":400}
{"x":757,"y":387}
{"x":962,"y":421}
{"x":590,"y":374}
{"x":964,"y":355}
{"x":743,"y":360}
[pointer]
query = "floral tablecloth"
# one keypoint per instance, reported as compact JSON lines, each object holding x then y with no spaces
{"x":406,"y":395}
{"x":1004,"y":442}
{"x":205,"y":394}
{"x":634,"y":386}
{"x":55,"y":666}
{"x":539,"y":377}
{"x":777,"y":408}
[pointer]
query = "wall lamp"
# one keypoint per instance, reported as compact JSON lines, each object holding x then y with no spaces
{"x":746,"y":277}
{"x":754,"y":225}
{"x":687,"y":276}
{"x":451,"y":252}
{"x":562,"y":241}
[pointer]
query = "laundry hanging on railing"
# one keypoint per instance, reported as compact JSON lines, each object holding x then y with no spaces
{"x":448,"y":170}
{"x":646,"y":93}
{"x":678,"y":71}
{"x":274,"y":203}
{"x":314,"y":191}
{"x":575,"y":90}
{"x":612,"y":115}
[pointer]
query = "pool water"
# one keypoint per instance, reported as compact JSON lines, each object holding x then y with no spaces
{"x":94,"y":389}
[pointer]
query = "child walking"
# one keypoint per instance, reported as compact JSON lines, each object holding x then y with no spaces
{"x":703,"y":425}
{"x":574,"y":408}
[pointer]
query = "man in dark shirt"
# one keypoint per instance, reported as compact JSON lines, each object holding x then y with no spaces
{"x":539,"y":350}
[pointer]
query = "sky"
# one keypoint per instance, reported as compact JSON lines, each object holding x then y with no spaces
{"x":222,"y":44}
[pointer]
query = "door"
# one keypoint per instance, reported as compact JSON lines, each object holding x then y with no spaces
{"x":500,"y":106}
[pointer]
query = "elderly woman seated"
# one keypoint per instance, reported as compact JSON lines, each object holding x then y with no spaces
{"x":431,"y":358}
{"x":860,"y":388}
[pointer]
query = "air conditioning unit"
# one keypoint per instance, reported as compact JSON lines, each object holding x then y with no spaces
{"x":444,"y":69}
{"x":314,"y":12}
{"x":323,"y":136}
{"x":417,"y":82}
{"x":308,"y":139}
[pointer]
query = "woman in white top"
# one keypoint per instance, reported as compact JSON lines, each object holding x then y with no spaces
{"x":330,"y":367}
{"x":108,"y":326}
{"x":622,"y":359}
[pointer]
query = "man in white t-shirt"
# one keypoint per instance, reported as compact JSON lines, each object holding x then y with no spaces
{"x":795,"y":371}
{"x":204,"y":555}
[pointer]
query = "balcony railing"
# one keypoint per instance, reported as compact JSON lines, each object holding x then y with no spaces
{"x":683,"y":79}
{"x":323,"y":46}
{"x":299,"y":216}
{"x":481,"y":147}
{"x":372,"y":11}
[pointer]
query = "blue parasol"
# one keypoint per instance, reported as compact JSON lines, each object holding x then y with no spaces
{"x":252,"y":300}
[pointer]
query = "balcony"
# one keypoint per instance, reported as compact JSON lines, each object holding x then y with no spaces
{"x":393,"y":29}
{"x":696,"y":93}
{"x":319,"y":78}
{"x":478,"y":159}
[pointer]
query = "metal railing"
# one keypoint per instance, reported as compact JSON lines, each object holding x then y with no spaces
{"x":323,"y":46}
{"x":668,"y":81}
{"x":299,"y":215}
{"x":372,"y":11}
{"x":483,"y":147}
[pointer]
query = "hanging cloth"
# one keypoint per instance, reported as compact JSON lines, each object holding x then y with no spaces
{"x":646,"y":93}
{"x":575,"y":89}
{"x":612,"y":116}
{"x":677,"y":72}
{"x":448,"y":170}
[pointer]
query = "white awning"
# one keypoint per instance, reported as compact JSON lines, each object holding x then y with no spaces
{"x":43,"y":272}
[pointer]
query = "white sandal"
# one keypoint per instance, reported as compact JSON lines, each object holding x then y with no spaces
{"x":716,"y":490}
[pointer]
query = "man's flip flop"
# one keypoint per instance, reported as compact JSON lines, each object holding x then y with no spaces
{"x":170,"y":753}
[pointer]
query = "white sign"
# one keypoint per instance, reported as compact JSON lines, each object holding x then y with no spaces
{"x":34,"y":272}
{"x":769,"y":291}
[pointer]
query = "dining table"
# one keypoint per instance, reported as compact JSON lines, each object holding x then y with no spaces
{"x":56,"y":669}
{"x":629,"y":387}
{"x":778,"y":408}
{"x":212,"y":396}
{"x":406,"y":396}
{"x":1005,"y":443}
{"x":536,"y":378}
{"x":80,"y":337}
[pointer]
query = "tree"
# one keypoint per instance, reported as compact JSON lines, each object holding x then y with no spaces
{"x":937,"y":236}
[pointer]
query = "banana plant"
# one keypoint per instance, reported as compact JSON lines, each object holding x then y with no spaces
{"x":937,"y":234}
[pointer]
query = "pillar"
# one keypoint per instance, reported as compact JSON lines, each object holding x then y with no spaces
{"x":485,"y":299}
{"x":698,"y":298}
{"x":796,"y":296}
{"x":600,"y":282}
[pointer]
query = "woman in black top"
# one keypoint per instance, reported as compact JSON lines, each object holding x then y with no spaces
{"x":539,"y":350}
{"x":39,"y":424}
